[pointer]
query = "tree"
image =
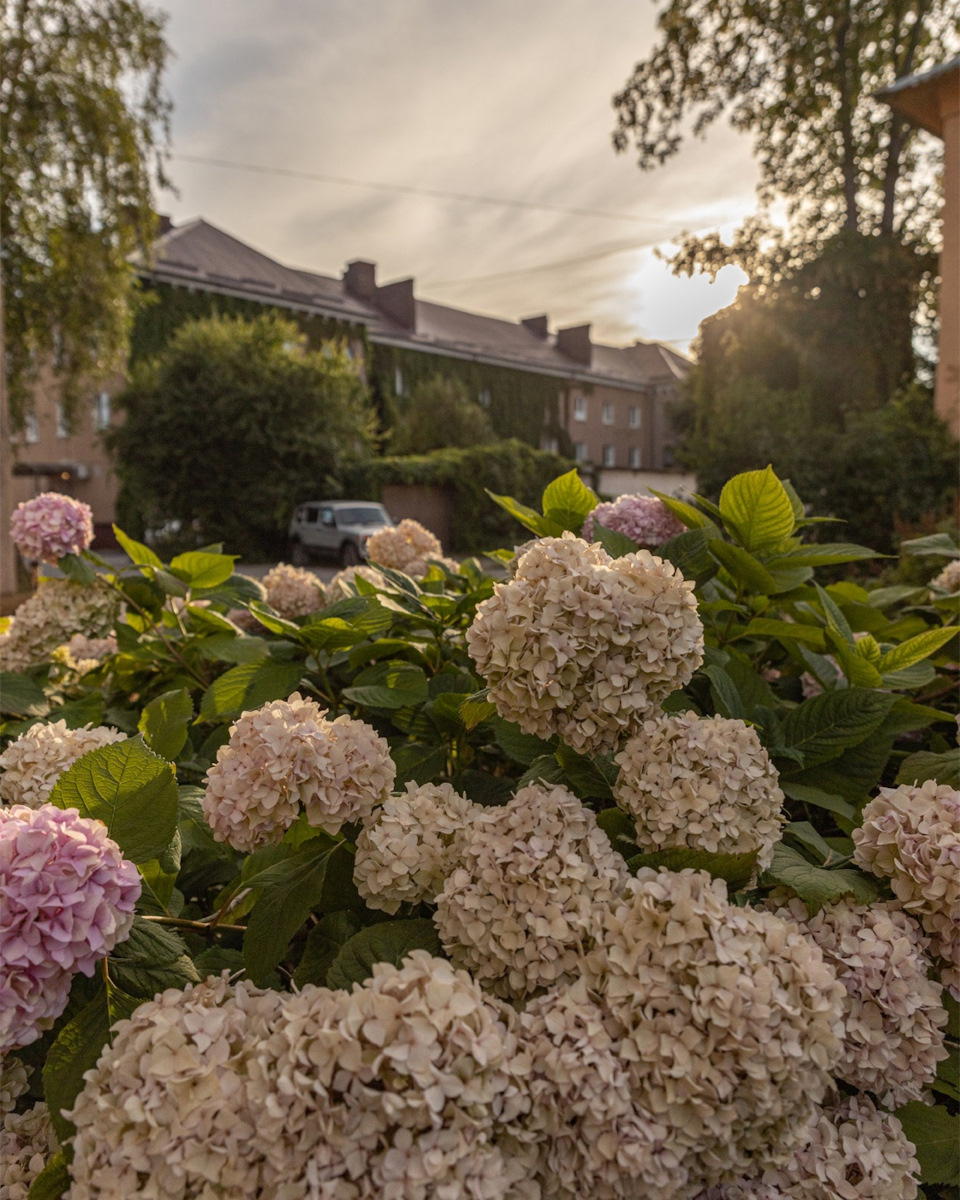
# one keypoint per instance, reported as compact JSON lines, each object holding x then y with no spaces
{"x":440,"y":413}
{"x":798,"y":75}
{"x":84,"y":122}
{"x":232,"y":425}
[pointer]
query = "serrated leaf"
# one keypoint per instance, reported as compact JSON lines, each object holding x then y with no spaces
{"x":756,"y":507}
{"x":745,"y":570}
{"x":202,"y":570}
{"x":418,"y":762}
{"x":824,"y":726}
{"x":150,"y":960}
{"x":136,"y":551}
{"x":131,"y":790}
{"x":164,"y":721}
{"x":621,"y":829}
{"x":476,"y":709}
{"x":21,"y":695}
{"x":736,"y":869}
{"x":53,"y":1180}
{"x":819,"y":799}
{"x":385,"y":942}
{"x":521,"y":747}
{"x":822,"y":554}
{"x":690,"y":554}
{"x":836,"y":621}
{"x":528,"y":517}
{"x":231,"y":648}
{"x":543,"y":769}
{"x":324,"y":942}
{"x":587,"y":778}
{"x":249,"y":686}
{"x":395,"y":684}
{"x":724,"y":694}
{"x":941,"y":544}
{"x":615,"y":543}
{"x":817,"y":886}
{"x":686,"y":513}
{"x":924,"y":765}
{"x":567,"y":501}
{"x":935,"y":1133}
{"x":481,"y":788}
{"x":78,"y":569}
{"x":915,"y":649}
{"x":786,"y":631}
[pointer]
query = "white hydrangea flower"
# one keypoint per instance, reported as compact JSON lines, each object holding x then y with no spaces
{"x":700,"y":782}
{"x":893,"y":1017}
{"x":729,"y":1018}
{"x":405,"y":547}
{"x":583,"y":645}
{"x":34,"y":762}
{"x":911,"y":836}
{"x":285,"y":756}
{"x":408,"y":1087}
{"x":27,"y":1143}
{"x":410,"y":845}
{"x":949,"y":578}
{"x":50,"y":617}
{"x":293,"y":592}
{"x":172,"y":1108}
{"x":519,"y":908}
{"x":14,"y":1081}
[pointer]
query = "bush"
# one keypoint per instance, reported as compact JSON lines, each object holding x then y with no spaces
{"x":439,"y":414}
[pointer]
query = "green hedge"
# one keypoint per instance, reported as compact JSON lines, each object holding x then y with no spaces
{"x":507,"y":468}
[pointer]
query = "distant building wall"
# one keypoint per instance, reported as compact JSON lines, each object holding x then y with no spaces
{"x":621,"y":483}
{"x":431,"y":506}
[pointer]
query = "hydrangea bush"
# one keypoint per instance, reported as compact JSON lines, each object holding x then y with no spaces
{"x":558,"y":883}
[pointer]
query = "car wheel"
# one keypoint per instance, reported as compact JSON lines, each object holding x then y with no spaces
{"x":299,"y":555}
{"x":349,"y":555}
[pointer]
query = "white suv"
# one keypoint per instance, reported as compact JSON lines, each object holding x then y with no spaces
{"x":335,"y":529}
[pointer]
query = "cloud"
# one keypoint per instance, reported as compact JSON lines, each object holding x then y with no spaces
{"x":493,"y":98}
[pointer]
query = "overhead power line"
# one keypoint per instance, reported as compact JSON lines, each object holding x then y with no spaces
{"x":594,"y":256}
{"x":434,"y":193}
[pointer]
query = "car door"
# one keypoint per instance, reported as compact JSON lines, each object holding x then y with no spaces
{"x":328,"y":539}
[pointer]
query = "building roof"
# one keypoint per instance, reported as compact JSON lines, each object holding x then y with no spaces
{"x":199,"y":255}
{"x":927,"y":97}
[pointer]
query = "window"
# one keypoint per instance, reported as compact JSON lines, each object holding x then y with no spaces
{"x":550,"y":445}
{"x":580,"y":451}
{"x":609,"y":456}
{"x":609,"y":412}
{"x":309,"y":515}
{"x":634,"y":416}
{"x":484,"y":398}
{"x":101,"y":412}
{"x":63,"y":425}
{"x":579,"y":408}
{"x":635,"y":458}
{"x":398,"y":381}
{"x":31,"y":432}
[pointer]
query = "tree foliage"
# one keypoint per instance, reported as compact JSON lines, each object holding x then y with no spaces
{"x":233,"y":424}
{"x":85,"y":123}
{"x":440,"y":413}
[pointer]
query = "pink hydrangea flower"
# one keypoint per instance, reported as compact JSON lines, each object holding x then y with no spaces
{"x":50,"y":526}
{"x":645,"y":519}
{"x":68,"y":899}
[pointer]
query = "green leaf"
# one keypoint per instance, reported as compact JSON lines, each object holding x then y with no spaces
{"x":915,"y":649}
{"x":935,"y":1134}
{"x":151,"y":959}
{"x":822,"y":555}
{"x":690,"y":554}
{"x":394,"y":684}
{"x":231,"y":648}
{"x":418,"y":762}
{"x":621,"y":829}
{"x":269,"y":619}
{"x":736,"y":869}
{"x":202,"y":570}
{"x":786,"y":631}
{"x":834,"y":616}
{"x":745,"y":570}
{"x":53,"y":1180}
{"x":544,"y":769}
{"x":164,"y":721}
{"x":476,"y":709}
{"x":817,"y":886}
{"x":819,"y":799}
{"x":724,"y":694}
{"x":941,"y":544}
{"x":857,"y":669}
{"x":481,"y":788}
{"x":615,"y":543}
{"x":77,"y":569}
{"x":249,"y":686}
{"x":924,"y":765}
{"x":757,"y":509}
{"x":385,"y":942}
{"x":804,"y":833}
{"x":136,"y":551}
{"x":131,"y":790}
{"x":690,"y":516}
{"x":824,"y":726}
{"x":288,"y":892}
{"x":528,"y":517}
{"x":519,"y":746}
{"x":567,"y":502}
{"x":21,"y":695}
{"x":324,"y":942}
{"x":587,"y":776}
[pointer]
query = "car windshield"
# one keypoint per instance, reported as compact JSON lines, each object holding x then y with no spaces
{"x":361,"y":516}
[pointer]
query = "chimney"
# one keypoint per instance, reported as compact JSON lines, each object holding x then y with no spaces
{"x":396,"y":300}
{"x":574,"y":342}
{"x":360,"y":279}
{"x":164,"y":224}
{"x":536,"y":325}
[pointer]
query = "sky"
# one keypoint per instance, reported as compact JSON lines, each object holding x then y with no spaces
{"x":496,"y":98}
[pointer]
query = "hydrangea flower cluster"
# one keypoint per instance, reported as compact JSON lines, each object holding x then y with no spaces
{"x":14,"y":1082}
{"x":409,"y":846}
{"x":68,"y":899}
{"x":403,"y":1088}
{"x":56,"y":611}
{"x":645,"y":519}
{"x":339,"y":586}
{"x":911,"y":835}
{"x":51,"y":526}
{"x":727,"y":1021}
{"x":27,"y":1142}
{"x":518,"y":909}
{"x":172,"y":1107}
{"x":82,"y":653}
{"x":33,"y":763}
{"x":407,"y":547}
{"x":702,"y":782}
{"x":286,"y":756}
{"x":949,"y":578}
{"x":893,"y":1018}
{"x":293,"y":592}
{"x":584,"y":645}
{"x":854,"y":1151}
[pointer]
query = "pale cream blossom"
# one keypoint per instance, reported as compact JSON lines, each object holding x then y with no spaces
{"x":519,"y":909}
{"x":14,"y":1082}
{"x":405,"y":547}
{"x":911,"y":836}
{"x":700,"y":782}
{"x":27,"y":1143}
{"x":410,"y":845}
{"x":583,"y":645}
{"x":949,"y":578}
{"x":57,"y":610}
{"x":293,"y":591}
{"x":32,"y":764}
